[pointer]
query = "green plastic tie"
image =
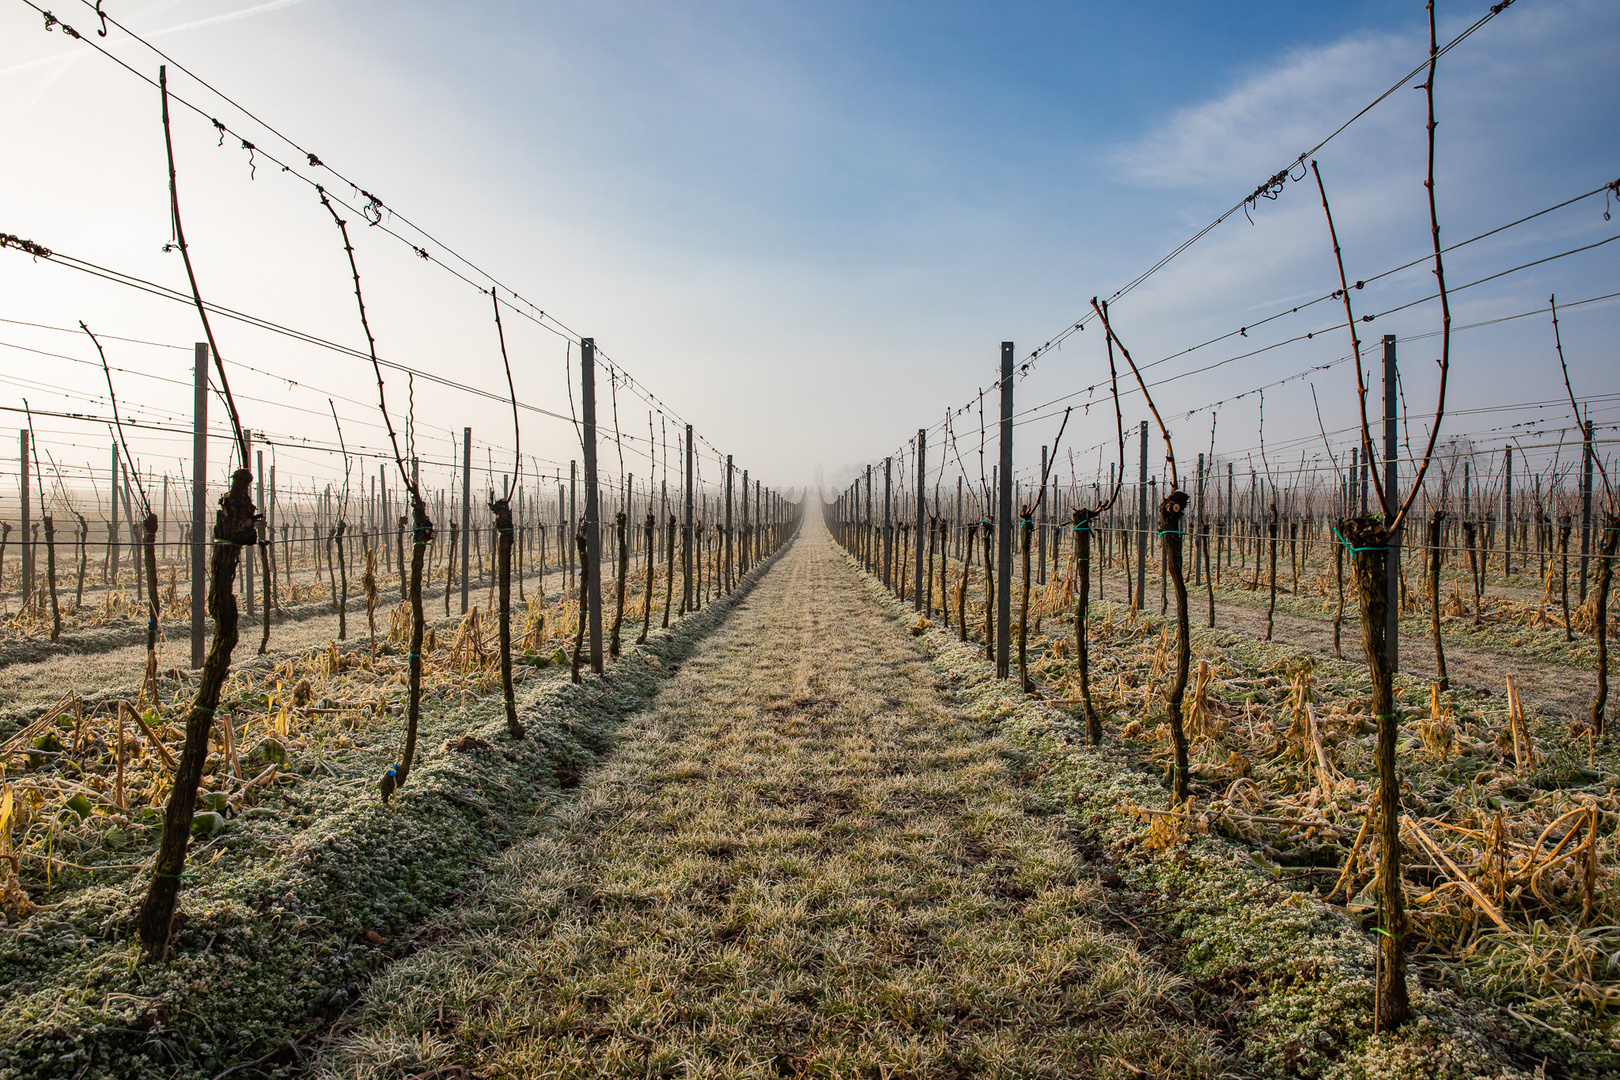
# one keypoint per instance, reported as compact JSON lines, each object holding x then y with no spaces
{"x":1356,"y":550}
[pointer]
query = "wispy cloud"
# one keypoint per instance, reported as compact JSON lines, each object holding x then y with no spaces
{"x":229,"y":16}
{"x":1270,"y":116}
{"x":156,"y":9}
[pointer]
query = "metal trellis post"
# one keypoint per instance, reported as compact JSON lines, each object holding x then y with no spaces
{"x":1004,"y":531}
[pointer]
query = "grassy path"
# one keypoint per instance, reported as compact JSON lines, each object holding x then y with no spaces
{"x":799,"y":861}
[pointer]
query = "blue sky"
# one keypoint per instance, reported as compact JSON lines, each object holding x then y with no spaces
{"x":807,"y":227}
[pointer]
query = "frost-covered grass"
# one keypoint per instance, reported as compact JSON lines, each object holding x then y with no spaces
{"x":800,"y":861}
{"x":297,"y":904}
{"x":1293,"y":975}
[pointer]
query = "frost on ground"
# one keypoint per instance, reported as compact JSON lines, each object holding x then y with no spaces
{"x":299,"y":896}
{"x":801,"y":860}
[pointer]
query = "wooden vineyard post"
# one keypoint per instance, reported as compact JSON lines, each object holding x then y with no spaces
{"x":1507,"y":512}
{"x":1164,"y":596}
{"x":1139,"y":603}
{"x":747,"y":553}
{"x":1586,"y":503}
{"x":129,"y":524}
{"x":727,"y":576}
{"x":1271,"y":536}
{"x":261,"y":526}
{"x":857,"y":525}
{"x":1392,"y":565}
{"x":570,"y":545}
{"x":1004,"y":517}
{"x":1040,"y":531}
{"x":199,"y":500}
{"x":650,"y":528}
{"x":1198,"y":516}
{"x":23,"y":541}
{"x":247,"y":564}
{"x":990,"y":593}
{"x":466,"y":513}
{"x":593,"y":537}
{"x":867,"y":529}
{"x":1338,"y":579}
{"x":1435,"y":554}
{"x":114,"y":546}
{"x":1026,"y":530}
{"x":1209,"y":577}
{"x":1227,"y":531}
{"x":917,"y":598}
{"x":957,"y":520}
{"x":888,"y":523}
{"x":687,"y":596}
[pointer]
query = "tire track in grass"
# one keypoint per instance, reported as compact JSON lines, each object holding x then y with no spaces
{"x":799,"y":861}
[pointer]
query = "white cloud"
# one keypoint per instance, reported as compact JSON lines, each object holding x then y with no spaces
{"x":1270,"y":117}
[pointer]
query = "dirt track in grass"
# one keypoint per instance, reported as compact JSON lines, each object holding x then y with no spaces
{"x":801,"y":860}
